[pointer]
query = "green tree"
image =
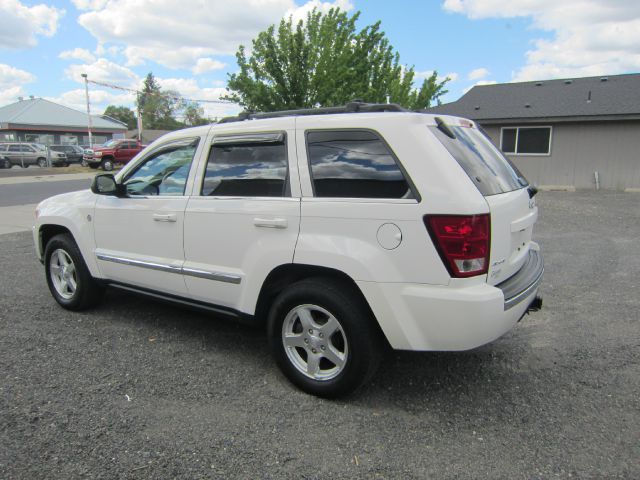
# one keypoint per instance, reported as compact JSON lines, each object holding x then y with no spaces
{"x":324,"y":61}
{"x":194,"y":114}
{"x":123,"y":114}
{"x":158,"y":107}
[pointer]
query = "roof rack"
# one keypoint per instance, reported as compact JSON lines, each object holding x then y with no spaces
{"x":356,"y":106}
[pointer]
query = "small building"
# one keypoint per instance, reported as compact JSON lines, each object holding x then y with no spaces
{"x":563,"y":133}
{"x":38,"y":120}
{"x":148,"y":136}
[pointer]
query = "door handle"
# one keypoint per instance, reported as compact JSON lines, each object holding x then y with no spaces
{"x":165,"y":217}
{"x":270,"y":222}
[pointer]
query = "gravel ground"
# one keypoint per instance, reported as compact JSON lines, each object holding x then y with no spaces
{"x":138,"y":389}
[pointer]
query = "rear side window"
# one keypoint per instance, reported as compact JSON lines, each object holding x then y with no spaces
{"x":354,"y":164}
{"x":490,"y":171}
{"x":249,"y":169}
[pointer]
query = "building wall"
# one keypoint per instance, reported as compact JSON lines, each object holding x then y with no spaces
{"x":580,"y":149}
{"x":56,"y":138}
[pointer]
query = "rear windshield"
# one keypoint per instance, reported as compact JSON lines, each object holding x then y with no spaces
{"x":490,"y":171}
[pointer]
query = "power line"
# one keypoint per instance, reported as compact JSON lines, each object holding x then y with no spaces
{"x":138,"y":92}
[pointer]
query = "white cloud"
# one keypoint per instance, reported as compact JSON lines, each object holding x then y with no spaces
{"x":206,"y":65}
{"x":190,"y":89}
{"x":591,"y":37}
{"x":12,"y":81}
{"x":100,"y":99}
{"x":477,"y":74}
{"x":78,"y":54}
{"x":301,"y":12}
{"x":176,"y":34}
{"x":103,"y":70}
{"x":21,"y":25}
{"x":480,"y":83}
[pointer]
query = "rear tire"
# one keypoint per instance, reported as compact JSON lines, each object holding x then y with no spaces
{"x":324,"y":337}
{"x":68,"y":277}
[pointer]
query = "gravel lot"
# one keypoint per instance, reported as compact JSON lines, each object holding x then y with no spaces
{"x":137,"y":389}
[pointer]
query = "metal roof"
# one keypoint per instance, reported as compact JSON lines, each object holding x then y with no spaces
{"x":38,"y":111}
{"x":591,"y":98}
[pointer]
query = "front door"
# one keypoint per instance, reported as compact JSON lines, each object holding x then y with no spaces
{"x":243,"y":218}
{"x":139,"y":237}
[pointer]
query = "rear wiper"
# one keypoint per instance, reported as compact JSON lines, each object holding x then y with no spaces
{"x":444,"y":128}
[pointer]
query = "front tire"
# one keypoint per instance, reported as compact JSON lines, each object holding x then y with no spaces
{"x":324,"y":337}
{"x":68,"y":277}
{"x":107,"y":165}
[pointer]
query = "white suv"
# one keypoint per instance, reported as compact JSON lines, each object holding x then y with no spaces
{"x":343,"y":229}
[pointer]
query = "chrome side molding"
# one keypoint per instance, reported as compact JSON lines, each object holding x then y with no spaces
{"x":192,"y":272}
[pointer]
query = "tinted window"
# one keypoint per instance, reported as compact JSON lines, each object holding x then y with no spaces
{"x":14,"y":148}
{"x":3,"y":148}
{"x":354,"y":164}
{"x":526,"y":140}
{"x":246,"y":170}
{"x":489,"y":170}
{"x":509,"y":140}
{"x":165,"y":172}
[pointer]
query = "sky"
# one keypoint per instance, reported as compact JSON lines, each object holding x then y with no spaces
{"x":190,"y":45}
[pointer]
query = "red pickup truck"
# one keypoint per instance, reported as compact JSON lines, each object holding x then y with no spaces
{"x":111,"y":153}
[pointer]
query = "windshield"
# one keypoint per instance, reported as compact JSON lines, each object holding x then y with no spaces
{"x":110,"y":144}
{"x":490,"y":171}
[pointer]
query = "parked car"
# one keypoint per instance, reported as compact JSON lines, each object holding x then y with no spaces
{"x":23,"y":154}
{"x":112,"y":153}
{"x":342,"y":230}
{"x":73,"y":154}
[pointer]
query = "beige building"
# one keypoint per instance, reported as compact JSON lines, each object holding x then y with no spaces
{"x":576,"y":133}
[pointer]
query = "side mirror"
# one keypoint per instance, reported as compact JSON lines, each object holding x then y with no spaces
{"x":105,"y":184}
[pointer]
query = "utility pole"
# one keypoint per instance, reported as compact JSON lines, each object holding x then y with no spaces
{"x":86,"y":91}
{"x":139,"y":119}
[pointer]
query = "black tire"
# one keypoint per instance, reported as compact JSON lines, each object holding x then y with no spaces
{"x":42,"y":162}
{"x":107,"y":164}
{"x":6,"y":163}
{"x":88,"y":291}
{"x":359,"y":336}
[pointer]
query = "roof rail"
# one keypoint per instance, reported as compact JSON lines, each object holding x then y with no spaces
{"x":351,"y":107}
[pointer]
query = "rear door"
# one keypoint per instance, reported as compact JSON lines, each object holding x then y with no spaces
{"x":243,"y":217}
{"x":513,"y":209}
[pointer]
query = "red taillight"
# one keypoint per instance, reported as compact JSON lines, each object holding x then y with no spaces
{"x":462,"y":242}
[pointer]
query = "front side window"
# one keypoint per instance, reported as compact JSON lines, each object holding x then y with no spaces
{"x":526,"y":140}
{"x":165,"y":172}
{"x":255,"y":167}
{"x":354,"y":164}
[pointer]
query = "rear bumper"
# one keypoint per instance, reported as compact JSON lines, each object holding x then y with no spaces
{"x":459,"y":316}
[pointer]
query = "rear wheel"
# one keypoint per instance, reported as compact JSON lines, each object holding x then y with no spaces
{"x":324,"y":338}
{"x":42,"y":162}
{"x":68,"y":277}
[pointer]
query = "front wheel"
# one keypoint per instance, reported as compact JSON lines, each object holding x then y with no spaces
{"x":68,"y":277}
{"x":42,"y":162}
{"x":324,"y":337}
{"x":107,"y":165}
